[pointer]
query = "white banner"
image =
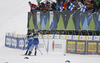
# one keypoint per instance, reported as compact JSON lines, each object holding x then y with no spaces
{"x":15,"y":35}
{"x":50,"y":36}
{"x":14,"y":42}
{"x":69,"y":36}
{"x":96,"y":37}
{"x":75,"y":37}
{"x":62,"y":36}
{"x":45,"y":36}
{"x":8,"y":41}
{"x":21,"y":43}
{"x":56,"y":36}
{"x":89,"y":37}
{"x":43,"y":44}
{"x":82,"y":37}
{"x":57,"y":45}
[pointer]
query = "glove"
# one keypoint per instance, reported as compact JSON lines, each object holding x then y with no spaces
{"x":26,"y":42}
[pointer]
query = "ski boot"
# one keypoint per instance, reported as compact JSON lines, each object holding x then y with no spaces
{"x":30,"y":52}
{"x":25,"y":53}
{"x":35,"y":52}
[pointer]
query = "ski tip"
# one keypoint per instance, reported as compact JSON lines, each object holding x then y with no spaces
{"x":67,"y":61}
{"x":26,"y":58}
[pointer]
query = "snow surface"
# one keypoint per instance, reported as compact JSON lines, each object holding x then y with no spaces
{"x":13,"y":18}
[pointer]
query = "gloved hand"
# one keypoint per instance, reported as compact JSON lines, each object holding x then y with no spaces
{"x":26,"y":42}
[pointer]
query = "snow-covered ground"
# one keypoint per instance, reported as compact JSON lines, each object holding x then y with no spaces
{"x":16,"y":56}
{"x":13,"y":18}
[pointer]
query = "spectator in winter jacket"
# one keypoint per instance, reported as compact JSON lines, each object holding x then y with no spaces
{"x":94,"y":5}
{"x":33,"y":7}
{"x":42,"y":6}
{"x":53,"y":6}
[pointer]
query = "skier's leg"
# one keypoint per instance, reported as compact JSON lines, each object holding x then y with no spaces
{"x":35,"y":50}
{"x":28,"y":46}
{"x":31,"y":48}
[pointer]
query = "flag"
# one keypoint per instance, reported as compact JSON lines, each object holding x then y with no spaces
{"x":83,"y":8}
{"x":61,"y":8}
{"x":71,"y":6}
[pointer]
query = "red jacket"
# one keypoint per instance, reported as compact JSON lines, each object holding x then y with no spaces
{"x":35,"y":6}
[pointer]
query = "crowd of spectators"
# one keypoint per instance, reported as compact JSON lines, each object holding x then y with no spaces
{"x":50,"y":5}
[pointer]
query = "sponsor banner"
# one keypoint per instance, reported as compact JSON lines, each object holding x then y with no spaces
{"x":57,"y":45}
{"x":19,"y":36}
{"x":21,"y":43}
{"x":43,"y":44}
{"x":75,"y":37}
{"x":45,"y":36}
{"x":81,"y":47}
{"x":59,"y":20}
{"x":92,"y":47}
{"x":69,"y":36}
{"x":89,"y":37}
{"x":62,"y":36}
{"x":8,"y":40}
{"x":50,"y":36}
{"x":56,"y":36}
{"x":99,"y":48}
{"x":71,"y":46}
{"x":96,"y":37}
{"x":15,"y":35}
{"x":14,"y":42}
{"x":82,"y":37}
{"x":65,"y":36}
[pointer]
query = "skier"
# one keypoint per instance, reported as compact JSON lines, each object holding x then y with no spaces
{"x":35,"y":42}
{"x":29,"y":41}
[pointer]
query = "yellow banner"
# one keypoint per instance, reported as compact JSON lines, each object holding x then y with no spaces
{"x":98,"y":47}
{"x":71,"y":45}
{"x":65,"y":36}
{"x":92,"y":46}
{"x":80,"y":46}
{"x":47,"y":36}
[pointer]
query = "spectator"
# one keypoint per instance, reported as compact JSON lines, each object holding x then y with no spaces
{"x":94,"y":6}
{"x":42,"y":6}
{"x":53,"y":6}
{"x":58,"y":2}
{"x":47,"y":5}
{"x":33,"y":7}
{"x":65,"y":5}
{"x":76,"y":5}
